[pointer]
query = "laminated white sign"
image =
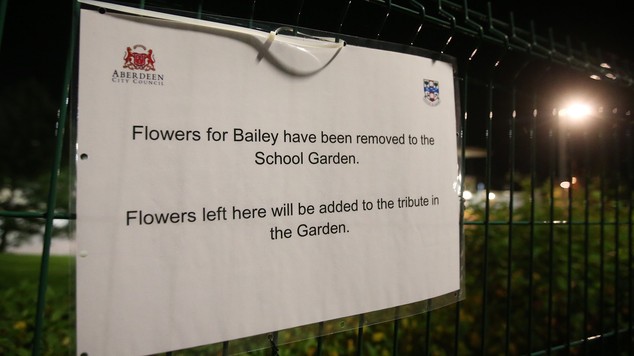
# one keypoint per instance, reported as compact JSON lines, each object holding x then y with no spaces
{"x":232,"y":182}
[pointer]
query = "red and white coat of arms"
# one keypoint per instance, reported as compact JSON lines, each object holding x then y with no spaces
{"x":139,"y":60}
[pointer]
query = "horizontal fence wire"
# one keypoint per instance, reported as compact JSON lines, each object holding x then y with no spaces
{"x":549,"y":269}
{"x":447,"y":18}
{"x":36,"y":214}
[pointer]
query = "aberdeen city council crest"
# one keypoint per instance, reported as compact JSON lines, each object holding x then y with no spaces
{"x":134,"y":59}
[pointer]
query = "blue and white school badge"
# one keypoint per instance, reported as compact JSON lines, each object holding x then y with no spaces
{"x":432,"y":92}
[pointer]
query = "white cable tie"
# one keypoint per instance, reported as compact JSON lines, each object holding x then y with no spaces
{"x":318,"y":42}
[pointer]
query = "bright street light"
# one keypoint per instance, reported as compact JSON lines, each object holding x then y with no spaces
{"x":576,"y":112}
{"x":573,"y":115}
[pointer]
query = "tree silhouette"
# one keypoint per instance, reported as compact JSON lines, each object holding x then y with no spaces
{"x":27,"y":132}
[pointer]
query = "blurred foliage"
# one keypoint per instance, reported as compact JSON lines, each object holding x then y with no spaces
{"x":568,"y":281}
{"x":18,"y":320}
{"x":19,"y":291}
{"x":27,"y":142}
{"x":27,"y":128}
{"x":568,"y":262}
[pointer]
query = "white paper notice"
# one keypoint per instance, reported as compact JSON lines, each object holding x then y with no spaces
{"x":228,"y":186}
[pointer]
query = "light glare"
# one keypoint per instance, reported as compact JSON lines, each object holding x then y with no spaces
{"x":576,"y":111}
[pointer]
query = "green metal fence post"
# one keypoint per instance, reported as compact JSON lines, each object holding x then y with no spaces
{"x":427,"y":346}
{"x":3,"y":16}
{"x":569,"y":226}
{"x":320,"y":339}
{"x":615,"y":134}
{"x":509,"y":251}
{"x":630,"y":176}
{"x":487,"y":218}
{"x":586,"y":239}
{"x":463,"y":159}
{"x":463,"y":138}
{"x":395,"y":331}
{"x":52,"y":195}
{"x":533,"y":182}
{"x":551,"y":228}
{"x":360,"y":335}
{"x":602,"y":193}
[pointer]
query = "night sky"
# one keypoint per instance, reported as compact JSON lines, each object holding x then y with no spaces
{"x":36,"y":36}
{"x":603,"y":24}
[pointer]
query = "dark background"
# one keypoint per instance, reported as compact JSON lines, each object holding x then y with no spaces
{"x":36,"y":34}
{"x":34,"y":50}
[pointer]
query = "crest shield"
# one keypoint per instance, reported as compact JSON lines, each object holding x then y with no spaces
{"x":431,"y":90}
{"x":136,"y":60}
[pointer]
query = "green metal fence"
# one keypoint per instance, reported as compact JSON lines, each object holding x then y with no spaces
{"x":548,"y":203}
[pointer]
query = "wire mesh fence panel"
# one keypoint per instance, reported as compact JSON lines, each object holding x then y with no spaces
{"x":547,"y":198}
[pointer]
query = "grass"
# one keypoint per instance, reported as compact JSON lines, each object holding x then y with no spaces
{"x":16,"y":268}
{"x":19,"y":280}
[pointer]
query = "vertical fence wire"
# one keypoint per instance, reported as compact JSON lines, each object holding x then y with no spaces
{"x":616,"y":158}
{"x":533,"y":182}
{"x":320,"y":339}
{"x":3,"y":16}
{"x":630,"y":175}
{"x":509,"y":251}
{"x":569,"y":227}
{"x":456,"y":331}
{"x":427,"y":345}
{"x":602,"y":195}
{"x":395,"y":338}
{"x":463,"y":155}
{"x":225,"y":348}
{"x":52,"y":189}
{"x":586,"y":239}
{"x":487,"y":212}
{"x":552,"y":153}
{"x":360,"y":335}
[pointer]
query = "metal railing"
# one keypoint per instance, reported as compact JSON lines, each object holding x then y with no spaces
{"x":549,"y":266}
